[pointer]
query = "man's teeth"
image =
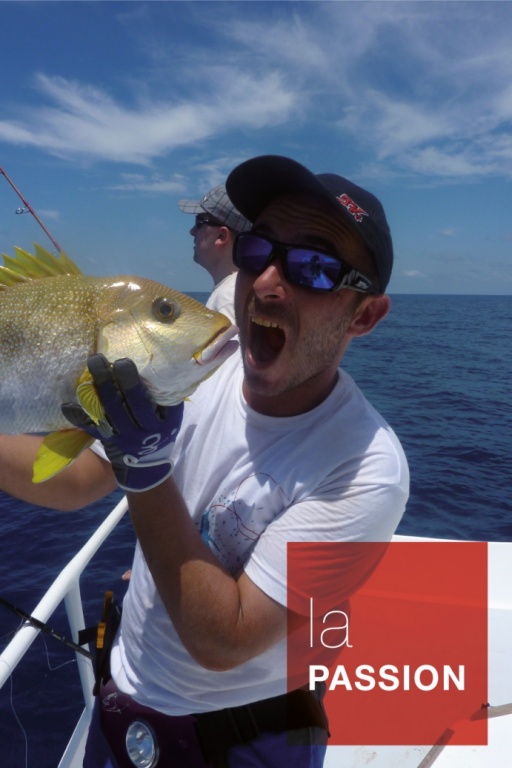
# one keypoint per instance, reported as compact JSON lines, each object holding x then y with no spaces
{"x":266,"y":323}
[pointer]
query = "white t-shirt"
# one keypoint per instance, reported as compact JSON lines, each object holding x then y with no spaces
{"x":222,"y":298}
{"x":253,"y":483}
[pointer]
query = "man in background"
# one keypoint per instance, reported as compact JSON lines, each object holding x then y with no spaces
{"x":216,"y":224}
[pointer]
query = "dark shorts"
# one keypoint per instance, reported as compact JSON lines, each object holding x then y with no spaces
{"x":179,"y":745}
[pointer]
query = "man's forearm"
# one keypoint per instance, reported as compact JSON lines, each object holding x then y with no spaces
{"x":222,"y":621}
{"x":88,"y":479}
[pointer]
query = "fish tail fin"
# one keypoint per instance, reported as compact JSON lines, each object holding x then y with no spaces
{"x":57,"y":451}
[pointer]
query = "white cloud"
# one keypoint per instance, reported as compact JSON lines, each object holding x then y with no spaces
{"x":423,"y":89}
{"x":49,"y":214}
{"x":298,"y":44}
{"x":443,"y":162}
{"x":212,"y":173}
{"x":86,"y":122}
{"x":138,"y":182}
{"x":393,"y":124}
{"x":432,"y":94}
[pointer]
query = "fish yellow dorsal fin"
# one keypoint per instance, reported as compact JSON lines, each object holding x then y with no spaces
{"x":24,"y":266}
{"x":57,"y":451}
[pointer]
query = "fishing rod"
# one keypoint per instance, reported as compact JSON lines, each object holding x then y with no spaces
{"x":45,"y":628}
{"x":29,"y":208}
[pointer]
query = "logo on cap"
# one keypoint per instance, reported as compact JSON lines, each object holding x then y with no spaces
{"x":353,"y":208}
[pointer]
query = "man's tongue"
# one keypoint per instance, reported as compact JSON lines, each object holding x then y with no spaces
{"x":266,"y":343}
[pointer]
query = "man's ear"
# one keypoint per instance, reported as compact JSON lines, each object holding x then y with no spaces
{"x":369,"y":314}
{"x":223,"y":235}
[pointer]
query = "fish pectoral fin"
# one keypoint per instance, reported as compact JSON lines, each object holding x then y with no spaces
{"x":88,"y":398}
{"x":57,"y":451}
{"x":90,"y":402}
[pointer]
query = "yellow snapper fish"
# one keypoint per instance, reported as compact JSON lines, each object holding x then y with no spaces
{"x":52,"y":318}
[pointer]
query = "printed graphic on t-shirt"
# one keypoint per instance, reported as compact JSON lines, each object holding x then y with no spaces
{"x":235,"y":519}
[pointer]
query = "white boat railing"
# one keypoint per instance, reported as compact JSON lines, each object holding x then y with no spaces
{"x":66,"y":587}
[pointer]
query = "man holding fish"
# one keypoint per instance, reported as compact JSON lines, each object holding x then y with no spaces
{"x":278,"y":445}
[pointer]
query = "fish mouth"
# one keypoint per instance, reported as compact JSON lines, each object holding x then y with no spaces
{"x":218,"y":350}
{"x":266,"y":340}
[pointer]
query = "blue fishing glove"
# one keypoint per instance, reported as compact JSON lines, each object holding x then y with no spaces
{"x":139,"y":434}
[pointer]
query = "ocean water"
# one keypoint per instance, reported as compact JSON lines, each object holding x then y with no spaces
{"x":438,"y":369}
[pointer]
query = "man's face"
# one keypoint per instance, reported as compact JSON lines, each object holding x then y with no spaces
{"x":293,"y":339}
{"x":204,"y":232}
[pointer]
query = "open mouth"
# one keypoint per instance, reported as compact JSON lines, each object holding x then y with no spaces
{"x":267,"y":339}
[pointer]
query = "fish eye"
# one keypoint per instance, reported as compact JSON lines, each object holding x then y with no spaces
{"x":165,"y":309}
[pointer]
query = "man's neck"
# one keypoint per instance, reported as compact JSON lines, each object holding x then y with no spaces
{"x":220,"y":272}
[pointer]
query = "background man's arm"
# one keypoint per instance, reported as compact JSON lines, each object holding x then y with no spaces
{"x":88,"y":479}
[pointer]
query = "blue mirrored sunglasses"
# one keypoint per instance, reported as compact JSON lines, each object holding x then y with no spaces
{"x":307,"y":267}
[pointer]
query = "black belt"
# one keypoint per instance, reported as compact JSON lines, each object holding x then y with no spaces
{"x":220,"y":730}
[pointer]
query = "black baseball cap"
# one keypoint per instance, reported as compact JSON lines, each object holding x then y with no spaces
{"x":252,"y":185}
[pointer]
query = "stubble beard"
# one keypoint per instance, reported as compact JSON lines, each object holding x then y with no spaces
{"x":318,"y":350}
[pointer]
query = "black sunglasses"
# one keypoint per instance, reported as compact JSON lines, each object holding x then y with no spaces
{"x":307,"y":267}
{"x":201,"y":221}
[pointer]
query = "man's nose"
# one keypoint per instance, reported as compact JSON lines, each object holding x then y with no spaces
{"x":272,"y":283}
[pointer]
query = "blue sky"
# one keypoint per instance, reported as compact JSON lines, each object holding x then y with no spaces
{"x":110,"y":112}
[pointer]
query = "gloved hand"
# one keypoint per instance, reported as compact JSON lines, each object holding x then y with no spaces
{"x":142,"y":432}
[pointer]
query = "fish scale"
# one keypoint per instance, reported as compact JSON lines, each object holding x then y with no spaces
{"x":43,"y":349}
